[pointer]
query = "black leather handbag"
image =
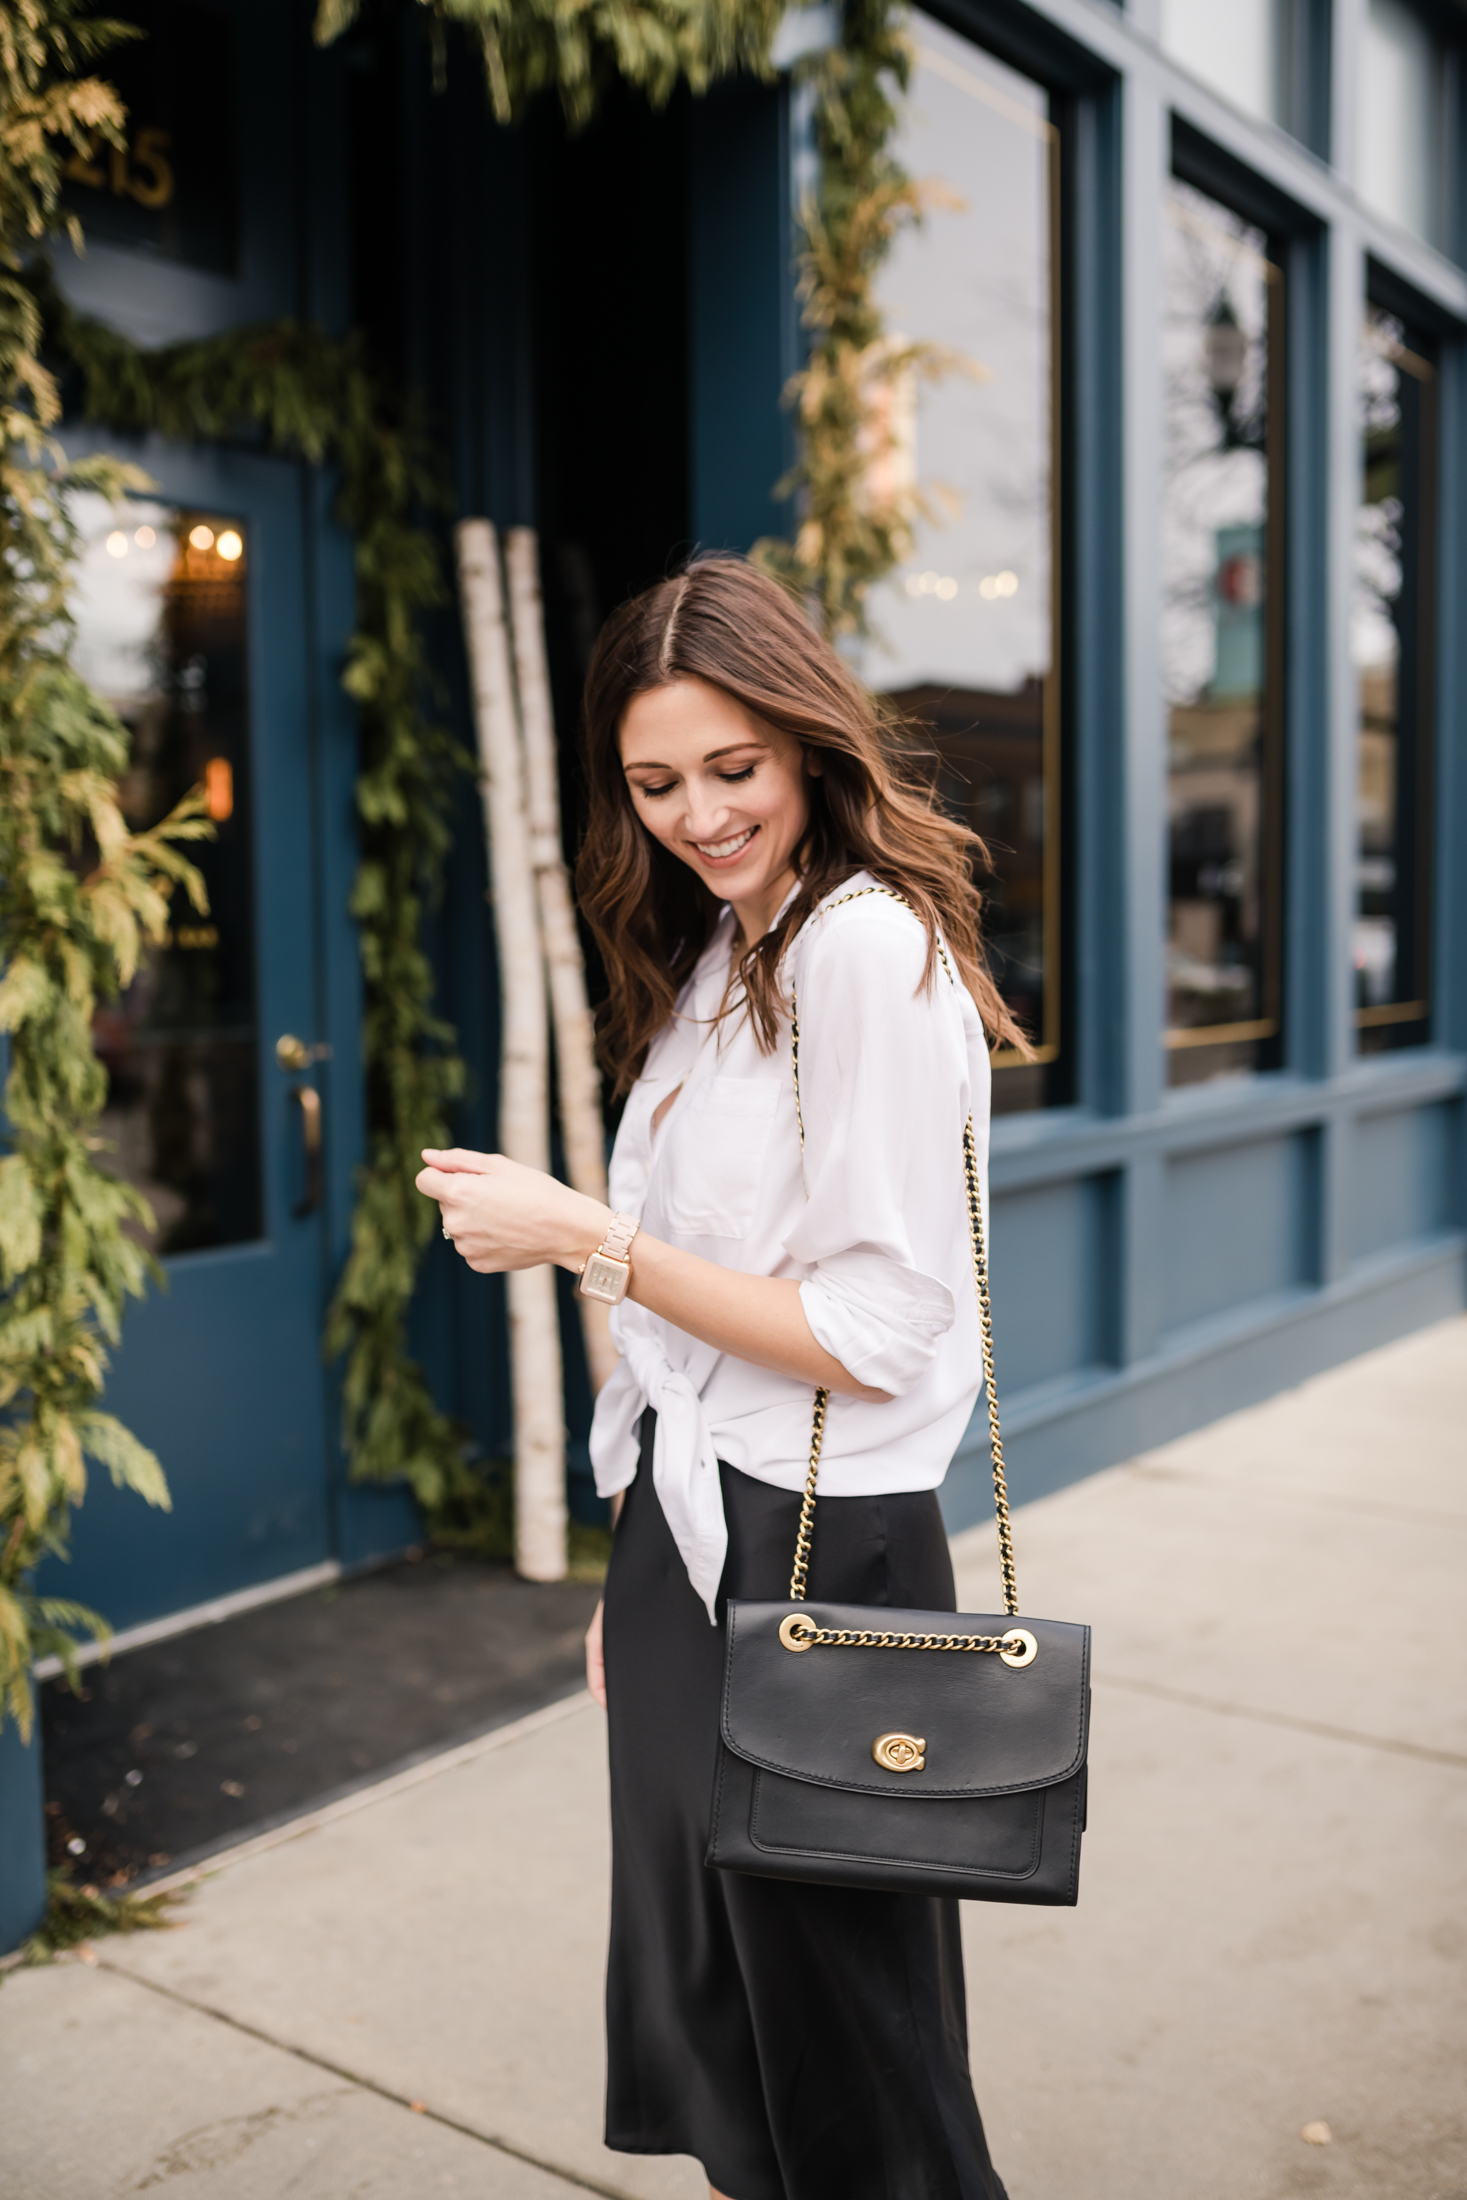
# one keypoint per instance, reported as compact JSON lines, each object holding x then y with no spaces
{"x":931,"y":1753}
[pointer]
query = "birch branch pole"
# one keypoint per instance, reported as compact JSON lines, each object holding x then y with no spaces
{"x":524,"y":1119}
{"x":578,"y":1081}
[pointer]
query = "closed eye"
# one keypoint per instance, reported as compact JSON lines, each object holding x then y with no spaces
{"x":731,"y":779}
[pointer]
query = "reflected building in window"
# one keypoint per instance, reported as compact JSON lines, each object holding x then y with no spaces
{"x":965,"y":629}
{"x":1394,"y":647}
{"x":1221,"y":641}
{"x":160,"y":606}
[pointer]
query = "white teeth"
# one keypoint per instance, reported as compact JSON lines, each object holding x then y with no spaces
{"x":719,"y":848}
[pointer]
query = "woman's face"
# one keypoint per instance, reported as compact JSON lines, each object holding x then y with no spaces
{"x":727,"y":794}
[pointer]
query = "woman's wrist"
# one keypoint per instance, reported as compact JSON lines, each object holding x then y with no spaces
{"x":592,"y":1225}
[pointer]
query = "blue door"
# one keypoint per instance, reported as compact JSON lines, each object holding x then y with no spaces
{"x":195,"y":611}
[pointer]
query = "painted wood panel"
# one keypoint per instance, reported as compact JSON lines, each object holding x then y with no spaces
{"x":1046,"y":1282}
{"x":1398,"y":1179}
{"x":1234,"y":1228}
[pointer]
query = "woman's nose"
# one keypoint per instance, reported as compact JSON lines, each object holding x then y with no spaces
{"x":707,"y":813}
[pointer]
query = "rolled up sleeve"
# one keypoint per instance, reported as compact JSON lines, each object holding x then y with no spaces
{"x":883,"y":1093}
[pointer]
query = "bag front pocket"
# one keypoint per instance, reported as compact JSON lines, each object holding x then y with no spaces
{"x":714,"y":1155}
{"x":998,"y":1834}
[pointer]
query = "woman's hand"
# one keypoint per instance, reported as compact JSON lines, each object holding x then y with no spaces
{"x":502,"y":1216}
{"x":595,"y":1660}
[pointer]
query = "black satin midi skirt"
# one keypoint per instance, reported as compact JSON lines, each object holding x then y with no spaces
{"x":802,"y":2043}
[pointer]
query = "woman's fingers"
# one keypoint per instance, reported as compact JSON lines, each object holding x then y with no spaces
{"x":595,"y":1658}
{"x":436,"y":1183}
{"x":461,"y":1160}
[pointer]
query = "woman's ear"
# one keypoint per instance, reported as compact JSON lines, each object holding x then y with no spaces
{"x":814,"y":764}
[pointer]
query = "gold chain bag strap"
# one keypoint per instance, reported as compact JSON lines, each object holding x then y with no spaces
{"x":1017,"y":1647}
{"x":948,"y":1776}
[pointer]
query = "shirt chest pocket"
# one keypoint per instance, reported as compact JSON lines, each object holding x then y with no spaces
{"x":714,"y":1155}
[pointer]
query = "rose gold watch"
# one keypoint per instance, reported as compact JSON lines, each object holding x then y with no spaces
{"x":608,"y":1270}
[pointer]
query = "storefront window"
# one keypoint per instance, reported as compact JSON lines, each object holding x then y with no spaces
{"x":160,"y":605}
{"x":966,"y":627}
{"x":1394,"y":645}
{"x":1403,"y":82}
{"x":1221,"y":640}
{"x":1243,"y":50}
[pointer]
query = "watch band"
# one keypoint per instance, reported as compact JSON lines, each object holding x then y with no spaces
{"x":607,"y":1273}
{"x":617,"y":1243}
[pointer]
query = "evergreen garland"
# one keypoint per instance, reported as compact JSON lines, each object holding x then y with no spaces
{"x":577,"y":47}
{"x":307,"y":396}
{"x":852,"y":532}
{"x":79,"y":894}
{"x":72,"y":923}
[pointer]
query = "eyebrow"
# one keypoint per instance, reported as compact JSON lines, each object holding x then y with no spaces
{"x":646,"y":764}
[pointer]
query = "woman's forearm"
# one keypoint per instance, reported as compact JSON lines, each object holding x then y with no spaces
{"x":756,"y":1318}
{"x":502,"y":1216}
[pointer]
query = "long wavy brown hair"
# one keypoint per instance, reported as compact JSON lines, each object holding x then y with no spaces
{"x":723,"y":621}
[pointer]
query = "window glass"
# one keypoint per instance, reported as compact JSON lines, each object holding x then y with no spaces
{"x":1403,"y":84}
{"x":1393,"y":643}
{"x":966,"y":627}
{"x":1221,"y":633}
{"x":1242,"y":50}
{"x":160,"y":605}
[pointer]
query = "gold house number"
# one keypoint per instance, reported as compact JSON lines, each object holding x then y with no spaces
{"x":140,"y":171}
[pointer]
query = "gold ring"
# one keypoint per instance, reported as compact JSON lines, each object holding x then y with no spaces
{"x":796,"y":1632}
{"x":1025,"y":1648}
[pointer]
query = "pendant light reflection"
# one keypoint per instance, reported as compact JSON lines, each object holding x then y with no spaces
{"x":219,"y":788}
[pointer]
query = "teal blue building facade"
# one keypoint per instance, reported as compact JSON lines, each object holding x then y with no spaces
{"x":1200,"y":681}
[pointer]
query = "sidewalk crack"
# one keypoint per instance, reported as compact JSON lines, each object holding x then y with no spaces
{"x":370,"y":2085}
{"x":1287,"y":1719}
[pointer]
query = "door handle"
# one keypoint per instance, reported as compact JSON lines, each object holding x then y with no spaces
{"x":310,"y":1107}
{"x":293,"y":1053}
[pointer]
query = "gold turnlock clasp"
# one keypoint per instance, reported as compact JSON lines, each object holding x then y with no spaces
{"x":900,"y":1752}
{"x":797,"y":1633}
{"x":1021,"y":1648}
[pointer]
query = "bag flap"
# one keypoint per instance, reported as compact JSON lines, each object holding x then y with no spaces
{"x":986,"y":1728}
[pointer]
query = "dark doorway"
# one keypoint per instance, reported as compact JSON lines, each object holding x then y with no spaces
{"x":610,"y":256}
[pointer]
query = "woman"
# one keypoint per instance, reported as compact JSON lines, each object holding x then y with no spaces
{"x":749,"y":835}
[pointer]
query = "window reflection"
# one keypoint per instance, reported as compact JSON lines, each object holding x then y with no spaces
{"x":161,"y":634}
{"x":1220,"y":629}
{"x":1393,"y":645}
{"x":966,"y":627}
{"x":1403,"y":89}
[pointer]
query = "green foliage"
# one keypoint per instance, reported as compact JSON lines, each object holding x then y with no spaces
{"x":76,"y":1915}
{"x":311,"y":397}
{"x":576,"y":47}
{"x":854,"y":526}
{"x":79,"y":895}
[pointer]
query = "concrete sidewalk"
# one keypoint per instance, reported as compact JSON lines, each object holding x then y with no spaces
{"x":403,"y":1998}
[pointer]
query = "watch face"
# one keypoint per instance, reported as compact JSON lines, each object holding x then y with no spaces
{"x":604,"y":1279}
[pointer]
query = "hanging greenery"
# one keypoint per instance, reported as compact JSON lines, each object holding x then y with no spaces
{"x":70,"y":935}
{"x":80,"y":893}
{"x":577,"y":49}
{"x":855,"y":510}
{"x":307,"y":396}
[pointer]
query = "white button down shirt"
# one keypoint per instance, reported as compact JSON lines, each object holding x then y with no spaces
{"x":871,"y":1219}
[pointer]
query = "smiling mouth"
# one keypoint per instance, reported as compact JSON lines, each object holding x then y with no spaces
{"x":720,"y":851}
